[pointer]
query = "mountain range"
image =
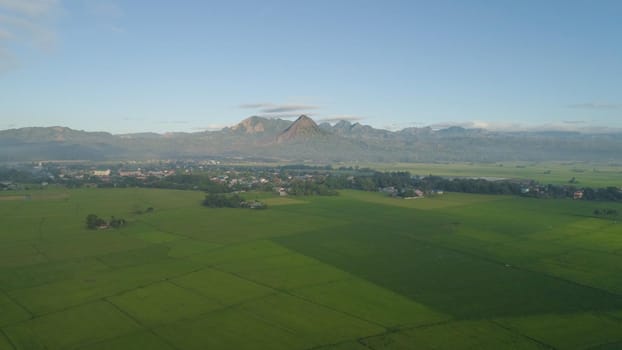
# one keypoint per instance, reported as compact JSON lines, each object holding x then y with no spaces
{"x":258,"y":138}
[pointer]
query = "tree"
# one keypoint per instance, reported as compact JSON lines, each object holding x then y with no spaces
{"x":215,"y":200}
{"x":116,"y":223}
{"x":93,"y":221}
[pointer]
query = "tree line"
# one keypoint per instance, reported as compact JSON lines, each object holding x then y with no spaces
{"x":221,"y":200}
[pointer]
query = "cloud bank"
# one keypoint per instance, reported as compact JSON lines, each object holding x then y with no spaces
{"x":271,"y":108}
{"x":564,"y":126}
{"x":338,"y":118}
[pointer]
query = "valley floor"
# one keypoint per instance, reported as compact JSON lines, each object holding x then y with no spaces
{"x":354,"y":271}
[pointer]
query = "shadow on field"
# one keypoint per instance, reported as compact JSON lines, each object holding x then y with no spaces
{"x":458,"y":283}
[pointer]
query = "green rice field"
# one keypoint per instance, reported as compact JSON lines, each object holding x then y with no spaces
{"x":354,"y":271}
{"x":585,"y":174}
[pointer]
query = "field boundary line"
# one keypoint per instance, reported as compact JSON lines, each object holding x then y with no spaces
{"x":598,"y":346}
{"x":127,"y":314}
{"x":165,"y":231}
{"x":497,"y":262}
{"x":152,"y":329}
{"x":16,"y":302}
{"x":322,"y":346}
{"x":121,"y":292}
{"x":6,"y":336}
{"x":511,"y":330}
{"x":164,"y":340}
{"x":40,"y":227}
{"x":208,"y":313}
{"x":287,"y":292}
{"x":401,"y":330}
{"x":139,"y":323}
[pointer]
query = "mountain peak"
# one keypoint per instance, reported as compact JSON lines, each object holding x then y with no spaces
{"x":251,"y":125}
{"x":303,"y":127}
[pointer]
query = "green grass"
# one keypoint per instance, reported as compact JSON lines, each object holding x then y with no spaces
{"x":586,"y":173}
{"x":368,"y":301}
{"x":464,"y":334}
{"x":480,"y":288}
{"x":571,"y":331}
{"x":141,"y":340}
{"x":223,"y":287}
{"x":229,"y":329}
{"x":162,"y":303}
{"x":354,"y":271}
{"x":11,"y":312}
{"x":71,"y":328}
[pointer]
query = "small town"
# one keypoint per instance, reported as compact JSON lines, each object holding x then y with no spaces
{"x":215,"y":176}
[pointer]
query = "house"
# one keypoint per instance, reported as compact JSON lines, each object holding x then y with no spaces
{"x":130,"y":173}
{"x":101,"y":172}
{"x":390,"y":190}
{"x":578,"y":195}
{"x":7,"y":185}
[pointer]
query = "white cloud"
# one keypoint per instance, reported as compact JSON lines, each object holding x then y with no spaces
{"x":338,"y":118}
{"x":596,"y":105}
{"x":28,"y":23}
{"x":271,"y":108}
{"x":30,"y":8}
{"x":210,"y":127}
{"x":255,"y":105}
{"x":565,"y":126}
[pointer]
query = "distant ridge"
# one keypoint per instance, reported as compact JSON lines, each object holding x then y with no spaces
{"x":274,"y":139}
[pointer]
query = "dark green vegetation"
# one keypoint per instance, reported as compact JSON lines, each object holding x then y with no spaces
{"x":219,"y":200}
{"x":585,"y":174}
{"x":354,"y":271}
{"x":94,"y":222}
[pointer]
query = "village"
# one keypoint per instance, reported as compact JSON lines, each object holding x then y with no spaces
{"x":215,"y":176}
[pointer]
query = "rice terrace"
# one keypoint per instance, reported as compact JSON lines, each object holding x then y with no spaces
{"x":355,"y":271}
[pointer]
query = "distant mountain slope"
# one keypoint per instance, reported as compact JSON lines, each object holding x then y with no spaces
{"x":277,"y":139}
{"x":301,"y":129}
{"x":259,"y":126}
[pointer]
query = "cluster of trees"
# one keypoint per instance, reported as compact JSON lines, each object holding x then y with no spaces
{"x":468,"y":185}
{"x":605,"y":212}
{"x":310,"y":188}
{"x":405,"y":183}
{"x":95,"y":222}
{"x":188,"y":182}
{"x":602,"y":194}
{"x":9,"y":174}
{"x":221,"y":200}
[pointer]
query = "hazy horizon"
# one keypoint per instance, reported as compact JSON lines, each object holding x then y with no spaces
{"x":499,"y":127}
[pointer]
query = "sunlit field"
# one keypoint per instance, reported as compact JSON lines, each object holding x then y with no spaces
{"x":354,"y":271}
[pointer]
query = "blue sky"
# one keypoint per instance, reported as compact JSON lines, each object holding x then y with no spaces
{"x":131,"y":66}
